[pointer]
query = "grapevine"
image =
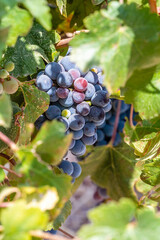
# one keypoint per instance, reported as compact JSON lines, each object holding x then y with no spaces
{"x":79,"y":120}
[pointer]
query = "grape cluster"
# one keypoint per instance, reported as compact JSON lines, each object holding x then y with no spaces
{"x":7,"y":84}
{"x":105,"y":130}
{"x":77,"y":99}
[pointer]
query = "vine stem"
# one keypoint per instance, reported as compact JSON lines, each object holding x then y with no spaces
{"x":11,"y":171}
{"x":131,"y":116}
{"x":116,"y":122}
{"x":153,"y":6}
{"x":66,"y":233}
{"x":41,"y":234}
{"x":8,"y":141}
{"x":11,"y":160}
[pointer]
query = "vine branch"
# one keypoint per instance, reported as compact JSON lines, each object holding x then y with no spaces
{"x":116,"y":122}
{"x":153,"y":6}
{"x":41,"y":234}
{"x":8,"y":141}
{"x":131,"y":117}
{"x":11,"y":160}
{"x":66,"y":233}
{"x":11,"y":171}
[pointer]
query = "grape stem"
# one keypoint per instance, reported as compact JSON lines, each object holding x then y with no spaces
{"x":11,"y":160}
{"x":116,"y":123}
{"x":66,"y":233}
{"x":41,"y":234}
{"x":131,"y":117}
{"x":8,"y":141}
{"x":11,"y":171}
{"x":153,"y":6}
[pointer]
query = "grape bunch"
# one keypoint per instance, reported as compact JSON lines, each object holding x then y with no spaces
{"x":7,"y":83}
{"x":77,"y":99}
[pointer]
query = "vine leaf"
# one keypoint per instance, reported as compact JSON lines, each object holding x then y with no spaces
{"x":122,"y":30}
{"x":19,"y":22}
{"x":31,"y":51}
{"x":62,"y":7}
{"x":97,"y":2}
{"x":51,"y":144}
{"x":40,"y":10}
{"x":5,"y":111}
{"x":38,"y":174}
{"x":66,"y":211}
{"x":111,"y":168}
{"x":145,"y":139}
{"x":114,"y":221}
{"x":143,"y":91}
{"x":32,"y":219}
{"x":6,"y":5}
{"x":36,"y":103}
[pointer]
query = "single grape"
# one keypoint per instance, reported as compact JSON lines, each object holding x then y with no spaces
{"x":79,"y":148}
{"x":108,"y":130}
{"x":68,"y":101}
{"x":66,"y":113}
{"x":63,"y":120}
{"x":80,"y":84}
{"x":102,"y":125}
{"x":66,"y":166}
{"x":108,"y":115}
{"x":3,"y":73}
{"x":99,"y":123}
{"x":78,"y":97}
{"x":76,"y":122}
{"x":74,"y":73}
{"x":62,"y":92}
{"x":89,"y":129}
{"x":89,"y":140}
{"x":72,"y":144}
{"x":100,"y":98}
{"x":108,"y":107}
{"x":9,"y":66}
{"x":10,"y":86}
{"x":96,"y":114}
{"x":76,"y":170}
{"x":44,"y":83}
{"x":64,"y":80}
{"x":66,"y":63}
{"x":100,"y":135}
{"x":53,"y":112}
{"x":53,"y":94}
{"x":1,"y":88}
{"x":92,"y":77}
{"x":38,"y":123}
{"x":89,"y":91}
{"x":77,"y":134}
{"x":52,"y":70}
{"x":83,"y":108}
{"x":102,"y":192}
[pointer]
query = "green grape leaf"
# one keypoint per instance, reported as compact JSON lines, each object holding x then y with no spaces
{"x":2,"y":175}
{"x":51,"y":144}
{"x":19,"y":21}
{"x":111,"y":168}
{"x":143,"y":91}
{"x":66,"y":211}
{"x":30,"y":51}
{"x":121,"y":221}
{"x":122,"y":30}
{"x":5,"y":111}
{"x":19,"y":219}
{"x":40,"y":10}
{"x":6,"y":5}
{"x":62,"y":7}
{"x":38,"y":174}
{"x":151,"y":172}
{"x":3,"y":38}
{"x":36,"y":103}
